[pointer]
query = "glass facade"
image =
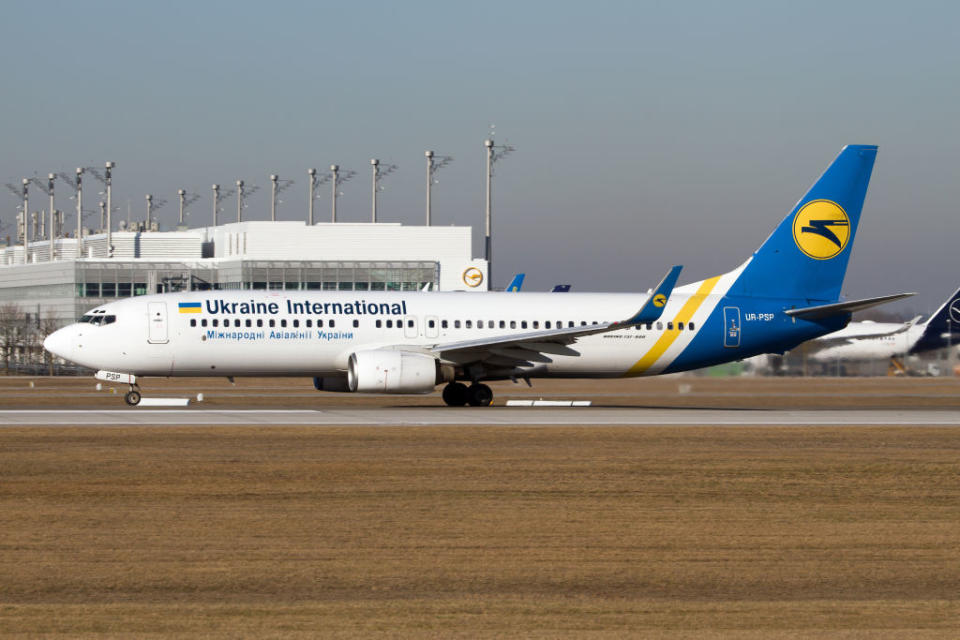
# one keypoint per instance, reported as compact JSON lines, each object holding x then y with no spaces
{"x":141,"y":278}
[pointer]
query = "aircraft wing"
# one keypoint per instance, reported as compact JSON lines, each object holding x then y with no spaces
{"x":524,"y":349}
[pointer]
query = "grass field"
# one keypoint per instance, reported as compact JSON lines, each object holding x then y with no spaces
{"x":490,"y":532}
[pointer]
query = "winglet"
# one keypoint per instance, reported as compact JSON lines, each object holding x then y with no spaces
{"x":657,"y":302}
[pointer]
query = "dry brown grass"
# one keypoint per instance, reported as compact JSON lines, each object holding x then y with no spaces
{"x":490,"y":532}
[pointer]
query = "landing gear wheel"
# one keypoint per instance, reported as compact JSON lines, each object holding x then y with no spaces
{"x":132,"y":398}
{"x":480,"y":395}
{"x":456,"y":394}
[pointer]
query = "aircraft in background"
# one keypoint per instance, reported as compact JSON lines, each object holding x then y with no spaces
{"x":786,"y":293}
{"x":885,"y":340}
{"x":516,"y":283}
{"x":561,"y":288}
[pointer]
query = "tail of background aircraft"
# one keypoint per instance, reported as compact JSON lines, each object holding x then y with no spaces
{"x":944,"y":320}
{"x":806,"y":256}
{"x":517,"y":283}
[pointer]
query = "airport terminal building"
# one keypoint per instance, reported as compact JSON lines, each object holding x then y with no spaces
{"x":287,"y":255}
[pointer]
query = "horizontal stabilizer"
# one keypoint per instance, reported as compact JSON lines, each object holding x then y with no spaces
{"x":837,"y":308}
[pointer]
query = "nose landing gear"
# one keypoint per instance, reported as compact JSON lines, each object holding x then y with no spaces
{"x":133,"y":396}
{"x":457,"y":394}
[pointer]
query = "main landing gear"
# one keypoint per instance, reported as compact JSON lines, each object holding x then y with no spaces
{"x":133,"y":396}
{"x":457,"y":394}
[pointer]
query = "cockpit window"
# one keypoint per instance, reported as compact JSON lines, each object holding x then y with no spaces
{"x":99,"y":320}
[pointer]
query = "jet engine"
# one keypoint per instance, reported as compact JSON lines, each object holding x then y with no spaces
{"x":389,"y":371}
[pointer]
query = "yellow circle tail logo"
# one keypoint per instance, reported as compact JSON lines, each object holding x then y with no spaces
{"x":821,"y":229}
{"x":472,"y":277}
{"x":659,"y":300}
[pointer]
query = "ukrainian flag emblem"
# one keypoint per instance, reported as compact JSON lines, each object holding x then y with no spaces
{"x":190,"y":307}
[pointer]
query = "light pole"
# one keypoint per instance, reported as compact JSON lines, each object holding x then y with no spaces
{"x":379,"y":173}
{"x":337,"y":178}
{"x":433,"y":165}
{"x":494,"y":153}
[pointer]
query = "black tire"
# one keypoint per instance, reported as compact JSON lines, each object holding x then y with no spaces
{"x":456,"y":394}
{"x":480,"y":395}
{"x":132,"y":398}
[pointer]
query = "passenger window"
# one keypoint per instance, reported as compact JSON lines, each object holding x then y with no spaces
{"x":571,"y":324}
{"x":649,"y":326}
{"x":273,"y":322}
{"x":332,"y":324}
{"x":536,"y":324}
{"x":690,"y":326}
{"x":216,"y":322}
{"x":669,"y":326}
{"x":389,"y":324}
{"x":319,"y":324}
{"x":513,"y":324}
{"x":523,"y":324}
{"x":296,"y":323}
{"x":309,"y":323}
{"x":356,"y":323}
{"x":410,"y":323}
{"x":546,"y":325}
{"x":259,"y":322}
{"x":469,"y":324}
{"x":203,"y":322}
{"x":236,"y":322}
{"x":283,"y":323}
{"x":503,"y":324}
{"x":443,"y":324}
{"x":659,"y":326}
{"x":680,"y":326}
{"x":431,"y":323}
{"x":583,"y":323}
{"x":456,"y":324}
{"x":479,"y":324}
{"x":248,"y":322}
{"x":193,"y":322}
{"x":378,"y":324}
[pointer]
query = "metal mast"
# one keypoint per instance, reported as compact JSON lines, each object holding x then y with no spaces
{"x":432,"y":167}
{"x":313,"y":185}
{"x":337,"y":178}
{"x":379,"y":173}
{"x":186,"y":199}
{"x":276,"y":186}
{"x":494,"y":153}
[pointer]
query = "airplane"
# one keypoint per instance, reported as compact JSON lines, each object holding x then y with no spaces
{"x":785,"y":293}
{"x":561,"y":288}
{"x":516,"y":283}
{"x":876,"y":340}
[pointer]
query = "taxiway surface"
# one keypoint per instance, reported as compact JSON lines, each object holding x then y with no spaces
{"x":491,"y":416}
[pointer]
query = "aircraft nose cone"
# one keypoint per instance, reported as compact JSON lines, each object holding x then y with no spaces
{"x":59,"y":343}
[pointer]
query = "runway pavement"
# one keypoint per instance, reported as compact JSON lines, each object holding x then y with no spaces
{"x":490,"y":416}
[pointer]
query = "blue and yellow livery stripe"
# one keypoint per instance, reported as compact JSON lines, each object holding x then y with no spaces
{"x":190,"y":307}
{"x":686,"y":312}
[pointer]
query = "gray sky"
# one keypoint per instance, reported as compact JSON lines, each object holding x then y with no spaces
{"x":646,"y":133}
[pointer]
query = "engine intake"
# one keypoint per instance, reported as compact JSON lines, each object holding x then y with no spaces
{"x":390,"y":371}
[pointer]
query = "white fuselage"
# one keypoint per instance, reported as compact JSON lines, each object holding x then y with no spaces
{"x":246,"y":333}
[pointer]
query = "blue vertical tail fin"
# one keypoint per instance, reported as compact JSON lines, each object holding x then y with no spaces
{"x":806,"y":256}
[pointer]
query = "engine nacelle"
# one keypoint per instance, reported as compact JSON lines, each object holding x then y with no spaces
{"x":331,"y":383}
{"x":389,"y":371}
